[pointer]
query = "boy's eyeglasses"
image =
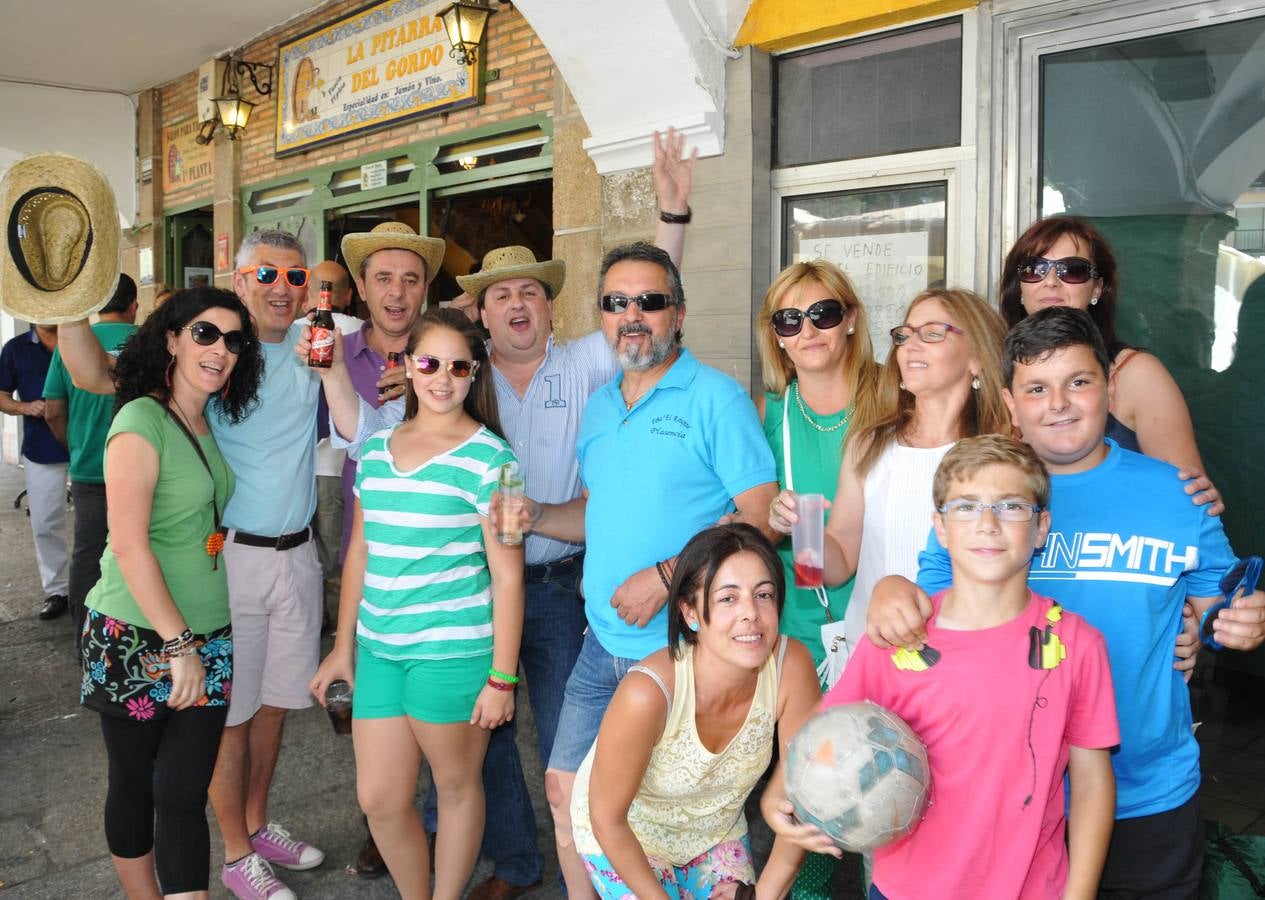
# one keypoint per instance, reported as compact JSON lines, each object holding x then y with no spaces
{"x":928,"y":332}
{"x":295,"y":275}
{"x":1240,"y":579}
{"x":206,"y":334}
{"x":457,"y":368}
{"x":1069,"y":269}
{"x":648,"y":302}
{"x":824,"y":314}
{"x":1004,"y":510}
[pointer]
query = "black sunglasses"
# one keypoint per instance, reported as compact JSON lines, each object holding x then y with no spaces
{"x":824,"y":313}
{"x":1069,"y":269}
{"x":649,"y":302}
{"x":206,"y":334}
{"x":295,"y":275}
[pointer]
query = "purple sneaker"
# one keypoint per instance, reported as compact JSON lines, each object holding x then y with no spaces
{"x":251,"y":878}
{"x":274,"y":844}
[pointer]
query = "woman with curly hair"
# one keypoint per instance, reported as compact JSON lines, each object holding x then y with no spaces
{"x":157,"y":647}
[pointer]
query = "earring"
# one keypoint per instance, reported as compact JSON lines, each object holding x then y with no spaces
{"x":975,"y":383}
{"x":1093,"y":301}
{"x":224,"y":393}
{"x":782,"y":345}
{"x":170,"y":368}
{"x":693,"y":626}
{"x":851,"y":330}
{"x":902,"y":385}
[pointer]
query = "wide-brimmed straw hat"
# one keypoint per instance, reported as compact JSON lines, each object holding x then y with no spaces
{"x":59,"y":255}
{"x":505,"y":263}
{"x":357,"y":247}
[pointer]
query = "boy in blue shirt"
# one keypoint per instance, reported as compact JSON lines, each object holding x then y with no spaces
{"x":1126,"y":551}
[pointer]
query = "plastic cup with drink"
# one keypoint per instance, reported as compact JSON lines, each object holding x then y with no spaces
{"x":807,"y":536}
{"x":510,"y":532}
{"x":338,"y":705}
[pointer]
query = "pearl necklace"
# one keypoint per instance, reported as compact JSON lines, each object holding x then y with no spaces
{"x":809,"y":419}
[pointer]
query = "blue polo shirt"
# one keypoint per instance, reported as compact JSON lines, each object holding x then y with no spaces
{"x":657,"y":475}
{"x":23,"y":368}
{"x":1126,"y":548}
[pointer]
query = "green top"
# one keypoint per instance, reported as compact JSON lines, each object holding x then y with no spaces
{"x":180,"y":521}
{"x":87,"y":414}
{"x":817,"y":457}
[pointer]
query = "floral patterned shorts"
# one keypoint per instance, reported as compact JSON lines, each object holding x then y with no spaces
{"x":727,"y":861}
{"x":125,"y":675}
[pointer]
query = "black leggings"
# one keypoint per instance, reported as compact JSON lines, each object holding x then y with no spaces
{"x":163,"y":768}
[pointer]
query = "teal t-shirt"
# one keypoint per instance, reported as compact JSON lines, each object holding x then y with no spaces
{"x":87,"y":414}
{"x":180,"y":521}
{"x":817,"y":456}
{"x":427,"y":590}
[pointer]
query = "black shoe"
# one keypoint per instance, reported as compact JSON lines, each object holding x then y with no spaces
{"x":54,"y":606}
{"x":369,"y":862}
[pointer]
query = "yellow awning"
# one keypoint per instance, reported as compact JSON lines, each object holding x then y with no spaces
{"x":774,"y":25}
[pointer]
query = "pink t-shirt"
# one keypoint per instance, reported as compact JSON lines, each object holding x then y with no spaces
{"x":998,"y":734}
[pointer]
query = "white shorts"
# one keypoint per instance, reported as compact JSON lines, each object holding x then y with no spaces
{"x":275,"y":598}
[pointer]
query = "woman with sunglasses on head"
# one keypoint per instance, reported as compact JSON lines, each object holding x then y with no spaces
{"x":157,"y":647}
{"x":431,"y":611}
{"x":657,"y":809}
{"x":1065,"y":261}
{"x":941,"y":382}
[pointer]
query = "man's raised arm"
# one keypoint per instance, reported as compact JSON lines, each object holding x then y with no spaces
{"x":91,"y":368}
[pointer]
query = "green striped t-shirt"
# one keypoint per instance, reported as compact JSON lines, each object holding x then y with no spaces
{"x":427,"y":591}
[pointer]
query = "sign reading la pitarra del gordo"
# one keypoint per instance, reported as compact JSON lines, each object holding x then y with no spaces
{"x":367,"y":70}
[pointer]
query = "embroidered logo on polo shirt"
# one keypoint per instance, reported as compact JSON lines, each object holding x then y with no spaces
{"x":669,"y":426}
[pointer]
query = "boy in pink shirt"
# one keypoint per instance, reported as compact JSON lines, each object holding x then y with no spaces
{"x":1016,"y":693}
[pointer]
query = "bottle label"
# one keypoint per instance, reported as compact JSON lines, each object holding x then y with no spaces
{"x":322,"y":345}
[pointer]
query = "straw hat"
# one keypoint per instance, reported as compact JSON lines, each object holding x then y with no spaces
{"x":59,"y":256}
{"x":505,"y":263}
{"x":359,"y":246}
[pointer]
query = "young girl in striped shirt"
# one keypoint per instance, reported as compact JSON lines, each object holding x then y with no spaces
{"x":435,"y":606}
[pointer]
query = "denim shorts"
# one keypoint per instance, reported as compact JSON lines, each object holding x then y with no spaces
{"x":589,"y":691}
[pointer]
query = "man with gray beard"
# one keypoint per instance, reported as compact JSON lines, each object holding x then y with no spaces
{"x":666,"y":449}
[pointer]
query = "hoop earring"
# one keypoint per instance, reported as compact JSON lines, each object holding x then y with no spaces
{"x":171,"y":366}
{"x":224,"y":393}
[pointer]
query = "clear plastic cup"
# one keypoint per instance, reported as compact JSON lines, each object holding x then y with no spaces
{"x":806,"y":539}
{"x":510,"y":486}
{"x":338,"y":705}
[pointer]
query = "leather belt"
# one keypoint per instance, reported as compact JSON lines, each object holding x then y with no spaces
{"x":555,"y":569}
{"x":284,"y":542}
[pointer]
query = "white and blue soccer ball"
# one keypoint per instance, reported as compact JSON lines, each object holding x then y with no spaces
{"x":860,"y":774}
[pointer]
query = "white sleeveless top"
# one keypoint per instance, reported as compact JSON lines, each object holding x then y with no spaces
{"x":898,"y":508}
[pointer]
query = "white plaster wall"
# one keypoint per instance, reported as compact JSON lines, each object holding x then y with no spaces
{"x":96,"y":126}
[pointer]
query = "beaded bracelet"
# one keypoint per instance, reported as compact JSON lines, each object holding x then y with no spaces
{"x":667,"y":582}
{"x":508,"y":679}
{"x":500,"y":685}
{"x":180,"y":645}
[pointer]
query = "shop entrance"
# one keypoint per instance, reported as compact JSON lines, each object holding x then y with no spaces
{"x":190,"y":249}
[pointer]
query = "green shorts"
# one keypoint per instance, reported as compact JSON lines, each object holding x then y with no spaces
{"x":437,"y":691}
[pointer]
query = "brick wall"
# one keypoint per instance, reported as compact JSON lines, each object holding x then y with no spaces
{"x":525,"y":87}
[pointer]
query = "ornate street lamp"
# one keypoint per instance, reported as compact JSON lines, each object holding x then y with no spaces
{"x":465,"y":21}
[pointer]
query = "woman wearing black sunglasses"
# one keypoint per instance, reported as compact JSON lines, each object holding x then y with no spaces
{"x":156,"y":645}
{"x":1065,"y":261}
{"x":819,"y":373}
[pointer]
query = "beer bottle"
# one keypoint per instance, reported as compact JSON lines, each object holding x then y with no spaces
{"x":393,"y":361}
{"x":321,"y":356}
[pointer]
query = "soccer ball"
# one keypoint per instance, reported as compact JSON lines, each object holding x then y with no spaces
{"x":860,"y":774}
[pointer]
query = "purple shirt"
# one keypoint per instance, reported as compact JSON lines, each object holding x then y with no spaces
{"x":365,"y":366}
